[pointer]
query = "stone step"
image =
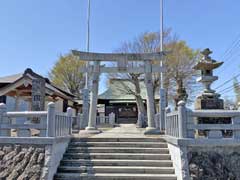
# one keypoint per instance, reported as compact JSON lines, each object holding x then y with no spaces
{"x":123,"y":176}
{"x":119,"y":144}
{"x":117,"y":140}
{"x":116,"y":169}
{"x":116,"y":162}
{"x":116,"y":156}
{"x":117,"y":150}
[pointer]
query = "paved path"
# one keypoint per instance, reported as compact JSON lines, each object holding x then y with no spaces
{"x":124,"y":131}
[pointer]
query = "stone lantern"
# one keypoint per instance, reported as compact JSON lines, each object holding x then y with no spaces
{"x":209,"y":99}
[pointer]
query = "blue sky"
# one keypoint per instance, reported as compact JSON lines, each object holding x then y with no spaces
{"x":34,"y":33}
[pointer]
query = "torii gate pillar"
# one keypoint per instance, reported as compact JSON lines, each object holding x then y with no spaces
{"x":92,"y":126}
{"x":151,"y":129}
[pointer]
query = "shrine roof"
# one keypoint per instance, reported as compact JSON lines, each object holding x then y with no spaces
{"x":118,"y":89}
{"x":11,"y":78}
{"x":11,"y":82}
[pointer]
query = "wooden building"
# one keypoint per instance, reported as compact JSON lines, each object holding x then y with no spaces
{"x":115,"y":99}
{"x":31,"y":91}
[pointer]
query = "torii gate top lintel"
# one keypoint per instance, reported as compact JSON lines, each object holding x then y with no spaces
{"x":90,"y":56}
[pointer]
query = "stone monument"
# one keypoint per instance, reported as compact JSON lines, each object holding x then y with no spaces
{"x":209,"y":99}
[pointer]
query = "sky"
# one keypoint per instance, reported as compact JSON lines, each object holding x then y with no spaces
{"x":34,"y":33}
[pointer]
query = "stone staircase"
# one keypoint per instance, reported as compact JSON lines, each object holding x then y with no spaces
{"x":116,"y":159}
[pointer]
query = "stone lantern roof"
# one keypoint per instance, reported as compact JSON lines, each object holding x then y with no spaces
{"x":207,"y":63}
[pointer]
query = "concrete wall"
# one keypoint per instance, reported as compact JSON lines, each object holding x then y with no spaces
{"x":176,"y":158}
{"x":53,"y":156}
{"x":27,"y":158}
{"x":215,"y":162}
{"x":201,"y":159}
{"x":180,"y":161}
{"x":21,"y":161}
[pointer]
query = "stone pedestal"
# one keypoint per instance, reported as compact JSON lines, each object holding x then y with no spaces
{"x":151,"y":131}
{"x":205,"y":102}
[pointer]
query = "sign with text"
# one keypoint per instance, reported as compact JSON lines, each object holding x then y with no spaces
{"x":38,"y":94}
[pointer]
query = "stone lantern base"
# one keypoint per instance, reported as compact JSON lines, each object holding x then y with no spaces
{"x":209,"y":102}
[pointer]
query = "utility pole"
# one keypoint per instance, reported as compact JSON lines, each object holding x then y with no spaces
{"x":88,"y":38}
{"x":162,"y":103}
{"x":85,"y":91}
{"x":161,"y":39}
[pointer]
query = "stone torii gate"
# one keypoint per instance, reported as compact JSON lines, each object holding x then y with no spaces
{"x":122,"y":60}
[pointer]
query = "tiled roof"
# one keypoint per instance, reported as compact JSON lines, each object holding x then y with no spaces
{"x":116,"y":90}
{"x":10,"y":79}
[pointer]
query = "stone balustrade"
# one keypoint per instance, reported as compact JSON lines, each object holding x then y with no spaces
{"x":183,"y":123}
{"x":36,"y":123}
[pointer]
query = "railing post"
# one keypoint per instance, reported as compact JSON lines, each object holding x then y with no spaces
{"x":4,"y":120}
{"x":182,"y":112}
{"x":51,"y":126}
{"x":69,"y":114}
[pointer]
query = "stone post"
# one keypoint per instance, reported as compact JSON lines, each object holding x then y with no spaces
{"x":140,"y":121}
{"x":4,"y":120}
{"x":167,"y":110}
{"x":190,"y":121}
{"x":69,"y":114}
{"x":151,"y":129}
{"x":182,"y":113}
{"x":43,"y":122}
{"x":51,"y":128}
{"x":85,"y":109}
{"x":102,"y":118}
{"x":162,"y":106}
{"x":92,"y":128}
{"x":79,"y":121}
{"x":157,"y":120}
{"x":112,"y":118}
{"x":236,"y":120}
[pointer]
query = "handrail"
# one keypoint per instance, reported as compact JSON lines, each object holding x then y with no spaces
{"x":183,"y":123}
{"x":26,"y":114}
{"x":48,"y":123}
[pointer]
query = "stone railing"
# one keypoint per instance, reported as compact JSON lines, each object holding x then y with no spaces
{"x":36,"y":123}
{"x":183,"y":123}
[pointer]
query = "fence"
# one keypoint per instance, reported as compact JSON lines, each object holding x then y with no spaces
{"x":36,"y":123}
{"x":184,"y":123}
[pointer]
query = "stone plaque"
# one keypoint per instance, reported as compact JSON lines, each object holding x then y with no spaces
{"x":122,"y":65}
{"x":38,"y":94}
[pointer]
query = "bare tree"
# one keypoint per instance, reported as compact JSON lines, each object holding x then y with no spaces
{"x":178,"y":63}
